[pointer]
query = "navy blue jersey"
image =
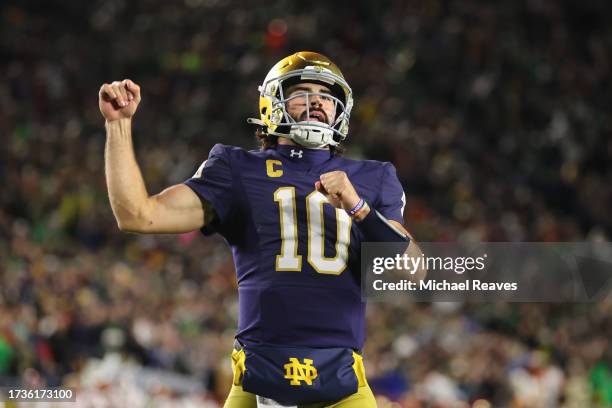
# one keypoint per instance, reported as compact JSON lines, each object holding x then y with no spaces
{"x":296,"y":256}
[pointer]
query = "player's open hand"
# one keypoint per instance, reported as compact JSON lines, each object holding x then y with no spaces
{"x":119,"y":100}
{"x":338,"y":190}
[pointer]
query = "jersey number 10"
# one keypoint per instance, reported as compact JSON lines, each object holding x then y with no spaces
{"x":289,"y":260}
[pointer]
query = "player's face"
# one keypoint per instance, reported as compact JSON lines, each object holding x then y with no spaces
{"x":321,"y":107}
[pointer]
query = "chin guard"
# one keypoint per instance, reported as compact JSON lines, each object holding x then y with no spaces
{"x":311,"y":135}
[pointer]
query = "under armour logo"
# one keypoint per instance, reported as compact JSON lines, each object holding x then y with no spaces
{"x":297,"y":372}
{"x":298,"y":153}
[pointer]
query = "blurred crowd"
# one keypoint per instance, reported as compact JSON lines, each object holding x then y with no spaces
{"x":495,"y":114}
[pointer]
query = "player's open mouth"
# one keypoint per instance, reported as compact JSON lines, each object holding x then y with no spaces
{"x":315,"y":116}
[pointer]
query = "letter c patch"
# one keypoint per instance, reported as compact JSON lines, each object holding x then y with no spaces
{"x":271,"y":171}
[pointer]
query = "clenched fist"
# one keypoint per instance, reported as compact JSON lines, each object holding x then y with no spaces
{"x":338,"y":190}
{"x":119,"y":100}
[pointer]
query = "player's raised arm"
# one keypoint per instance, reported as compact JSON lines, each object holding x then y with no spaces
{"x":176,"y":209}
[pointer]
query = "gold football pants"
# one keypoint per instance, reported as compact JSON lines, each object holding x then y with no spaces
{"x":238,"y":398}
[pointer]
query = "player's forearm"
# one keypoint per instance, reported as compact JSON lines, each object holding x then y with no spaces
{"x":413,"y":251}
{"x":126,"y":188}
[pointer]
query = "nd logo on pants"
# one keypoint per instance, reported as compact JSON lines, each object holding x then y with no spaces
{"x":299,"y":373}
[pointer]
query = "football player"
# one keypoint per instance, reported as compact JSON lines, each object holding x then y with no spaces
{"x":294,"y":214}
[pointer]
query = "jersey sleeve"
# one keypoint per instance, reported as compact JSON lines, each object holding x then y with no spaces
{"x":392,"y":199}
{"x":214,"y":182}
